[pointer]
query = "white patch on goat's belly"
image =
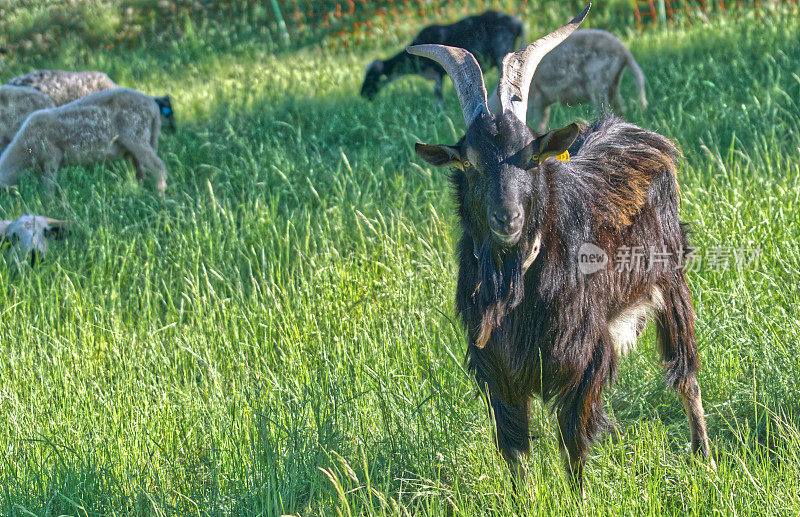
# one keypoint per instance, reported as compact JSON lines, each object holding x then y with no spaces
{"x":626,"y":326}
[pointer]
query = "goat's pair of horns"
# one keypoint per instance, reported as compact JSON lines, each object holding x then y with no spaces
{"x":515,"y":77}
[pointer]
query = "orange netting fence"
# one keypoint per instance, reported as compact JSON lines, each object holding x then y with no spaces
{"x":293,"y":23}
{"x":650,"y":12}
{"x":352,"y":21}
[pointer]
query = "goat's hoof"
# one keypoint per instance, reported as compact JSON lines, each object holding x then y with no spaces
{"x":703,"y":455}
{"x":710,"y":463}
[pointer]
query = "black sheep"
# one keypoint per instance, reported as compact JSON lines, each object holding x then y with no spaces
{"x":489,"y":36}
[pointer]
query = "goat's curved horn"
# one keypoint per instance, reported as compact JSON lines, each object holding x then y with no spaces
{"x":518,"y":67}
{"x":465,"y":73}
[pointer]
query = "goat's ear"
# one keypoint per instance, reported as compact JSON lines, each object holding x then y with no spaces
{"x":439,"y":155}
{"x":557,"y":141}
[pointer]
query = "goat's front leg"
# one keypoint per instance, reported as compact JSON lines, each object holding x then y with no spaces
{"x":573,"y":441}
{"x":511,"y":432}
{"x":581,"y":417}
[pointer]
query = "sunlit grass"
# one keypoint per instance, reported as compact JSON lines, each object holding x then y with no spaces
{"x":278,"y":334}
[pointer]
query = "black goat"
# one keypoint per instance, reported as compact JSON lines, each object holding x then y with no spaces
{"x":489,"y":36}
{"x":531,"y":207}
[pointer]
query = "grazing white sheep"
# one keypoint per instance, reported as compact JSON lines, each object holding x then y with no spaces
{"x":29,"y":235}
{"x":16,"y":103}
{"x":586,"y":67}
{"x":64,"y":86}
{"x":104,"y":126}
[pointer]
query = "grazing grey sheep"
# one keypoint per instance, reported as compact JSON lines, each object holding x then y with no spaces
{"x":16,"y":103}
{"x":104,"y":126}
{"x":64,"y":86}
{"x":586,"y":67}
{"x":29,"y":235}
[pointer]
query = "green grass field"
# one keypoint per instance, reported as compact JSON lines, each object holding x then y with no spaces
{"x":277,"y":335}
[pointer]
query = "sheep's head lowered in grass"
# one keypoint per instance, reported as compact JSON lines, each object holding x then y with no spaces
{"x":500,"y":190}
{"x":30,"y":234}
{"x":165,"y":108}
{"x":374,"y":80}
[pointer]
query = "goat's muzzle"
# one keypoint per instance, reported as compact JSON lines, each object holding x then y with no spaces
{"x":506,"y":226}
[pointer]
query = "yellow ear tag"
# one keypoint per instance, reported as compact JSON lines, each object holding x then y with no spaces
{"x":563,"y":157}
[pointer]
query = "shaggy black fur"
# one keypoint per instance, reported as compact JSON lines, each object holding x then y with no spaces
{"x":546,"y":331}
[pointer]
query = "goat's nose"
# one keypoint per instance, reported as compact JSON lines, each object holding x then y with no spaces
{"x":506,"y":222}
{"x":506,"y":216}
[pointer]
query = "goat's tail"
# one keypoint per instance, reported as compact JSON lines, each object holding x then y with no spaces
{"x":639,"y":75}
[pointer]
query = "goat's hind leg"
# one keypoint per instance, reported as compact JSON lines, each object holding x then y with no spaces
{"x":678,"y":348}
{"x":693,"y":405}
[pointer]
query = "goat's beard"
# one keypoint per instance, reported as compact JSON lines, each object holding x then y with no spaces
{"x":501,"y":288}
